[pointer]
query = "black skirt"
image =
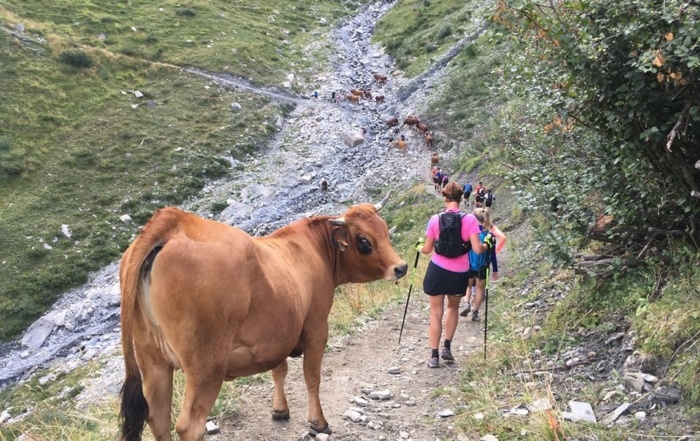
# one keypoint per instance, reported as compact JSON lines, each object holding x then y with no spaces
{"x":439,"y":281}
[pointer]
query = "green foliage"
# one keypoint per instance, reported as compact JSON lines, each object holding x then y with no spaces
{"x":612,"y":86}
{"x":415,"y":34}
{"x":77,"y":58}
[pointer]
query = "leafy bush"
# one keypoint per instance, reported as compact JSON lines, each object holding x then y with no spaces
{"x":76,"y":58}
{"x":444,"y":31}
{"x":185,"y":12}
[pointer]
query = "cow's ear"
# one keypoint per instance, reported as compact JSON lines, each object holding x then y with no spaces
{"x":340,"y":238}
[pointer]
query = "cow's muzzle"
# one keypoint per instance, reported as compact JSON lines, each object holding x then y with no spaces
{"x":401,"y":270}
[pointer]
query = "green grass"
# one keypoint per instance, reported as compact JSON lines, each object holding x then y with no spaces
{"x":262,"y":40}
{"x":78,"y":148}
{"x":416,"y":32}
{"x":84,"y":157}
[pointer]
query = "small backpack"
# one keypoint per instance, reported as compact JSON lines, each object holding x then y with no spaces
{"x":450,"y":242}
{"x":477,"y":262}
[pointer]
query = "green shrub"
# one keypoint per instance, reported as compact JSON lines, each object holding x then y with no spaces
{"x":185,"y":12}
{"x":76,"y":58}
{"x":444,"y":31}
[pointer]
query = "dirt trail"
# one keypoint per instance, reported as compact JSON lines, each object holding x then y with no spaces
{"x":360,"y":363}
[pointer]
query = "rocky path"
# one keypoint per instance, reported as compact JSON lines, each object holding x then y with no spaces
{"x":372,"y":388}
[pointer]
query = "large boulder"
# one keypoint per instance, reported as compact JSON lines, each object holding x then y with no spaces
{"x":352,"y":139}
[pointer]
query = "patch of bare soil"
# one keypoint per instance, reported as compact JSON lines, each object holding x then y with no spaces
{"x":364,"y":362}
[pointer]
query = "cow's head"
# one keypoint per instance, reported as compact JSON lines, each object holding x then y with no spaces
{"x":366,"y":254}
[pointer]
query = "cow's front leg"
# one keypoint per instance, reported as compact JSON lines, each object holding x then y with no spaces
{"x":280,"y":409}
{"x":313,"y":355}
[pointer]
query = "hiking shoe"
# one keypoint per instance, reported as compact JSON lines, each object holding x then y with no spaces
{"x":475,"y":316}
{"x":433,"y":362}
{"x":465,"y":311}
{"x":447,"y":355}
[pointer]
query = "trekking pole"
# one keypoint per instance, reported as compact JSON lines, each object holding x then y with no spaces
{"x":486,"y":308}
{"x":410,"y":287}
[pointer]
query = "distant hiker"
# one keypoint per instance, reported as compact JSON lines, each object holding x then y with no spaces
{"x":489,"y":198}
{"x":324,"y":185}
{"x":438,"y":176}
{"x":333,"y":99}
{"x":436,"y":181}
{"x":445,"y":180}
{"x":479,"y":265}
{"x":316,"y":94}
{"x":467,"y":189}
{"x":479,"y":192}
{"x":447,"y":274}
{"x":434,"y":159}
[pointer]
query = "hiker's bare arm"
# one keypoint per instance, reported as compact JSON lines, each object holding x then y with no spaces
{"x":428,"y":246}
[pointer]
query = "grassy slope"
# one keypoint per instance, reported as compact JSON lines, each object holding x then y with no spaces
{"x":74,"y":152}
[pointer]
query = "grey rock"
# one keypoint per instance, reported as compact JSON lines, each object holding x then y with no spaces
{"x":445,"y":413}
{"x":19,"y":27}
{"x":39,"y":331}
{"x":212,"y":428}
{"x":380,"y":395}
{"x":236,"y":107}
{"x":609,"y":419}
{"x":352,"y":139}
{"x":666,"y":394}
{"x":582,"y":411}
{"x":353,"y":416}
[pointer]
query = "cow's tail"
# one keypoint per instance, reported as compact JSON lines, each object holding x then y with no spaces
{"x":135,"y":265}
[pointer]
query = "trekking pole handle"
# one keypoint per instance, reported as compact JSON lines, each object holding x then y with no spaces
{"x":415,"y":264}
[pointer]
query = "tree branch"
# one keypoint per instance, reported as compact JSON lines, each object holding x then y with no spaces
{"x":665,"y":232}
{"x":674,"y":132}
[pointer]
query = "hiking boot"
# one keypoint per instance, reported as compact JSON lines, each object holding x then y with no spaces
{"x":475,"y":316}
{"x":447,"y":355}
{"x":465,"y":311}
{"x":433,"y":362}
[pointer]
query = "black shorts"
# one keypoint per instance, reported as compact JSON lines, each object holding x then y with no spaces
{"x":467,"y":195}
{"x":479,"y":198}
{"x":439,"y":281}
{"x":480,"y":274}
{"x":435,"y":180}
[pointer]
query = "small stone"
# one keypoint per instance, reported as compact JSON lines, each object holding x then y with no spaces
{"x":540,"y":405}
{"x":361,"y":402}
{"x":445,"y":413}
{"x":479,"y":416}
{"x":380,"y":395}
{"x":322,"y":437}
{"x":616,"y":414}
{"x":488,"y":437}
{"x":125,"y":218}
{"x":4,"y":416}
{"x":394,"y":370}
{"x":138,"y":94}
{"x":353,"y":416}
{"x":236,"y":106}
{"x":212,"y":428}
{"x":640,"y":415}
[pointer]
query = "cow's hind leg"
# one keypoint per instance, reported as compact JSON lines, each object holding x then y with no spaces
{"x":158,"y":389}
{"x":280,"y":409}
{"x":202,"y":386}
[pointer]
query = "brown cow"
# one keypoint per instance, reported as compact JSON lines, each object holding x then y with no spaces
{"x":379,"y":99}
{"x":422,"y":127}
{"x":380,"y":78}
{"x":353,"y":98}
{"x":392,"y":122}
{"x":429,"y":143}
{"x":207,"y":298}
{"x":411,"y":120}
{"x":367,"y":94}
{"x":434,"y":160}
{"x":400,"y":143}
{"x":356,"y":92}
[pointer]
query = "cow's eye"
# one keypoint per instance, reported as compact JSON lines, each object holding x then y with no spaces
{"x":364,"y":246}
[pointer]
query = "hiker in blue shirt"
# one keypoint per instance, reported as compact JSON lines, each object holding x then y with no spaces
{"x":478,"y":267}
{"x":467,"y":189}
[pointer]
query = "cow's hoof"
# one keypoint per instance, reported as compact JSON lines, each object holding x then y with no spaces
{"x":280,"y":415}
{"x":315,"y":430}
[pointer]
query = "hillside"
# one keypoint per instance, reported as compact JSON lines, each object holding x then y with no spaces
{"x":555,"y":334}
